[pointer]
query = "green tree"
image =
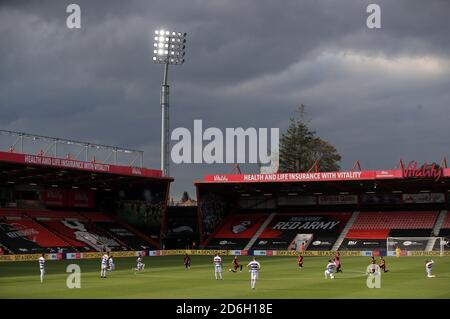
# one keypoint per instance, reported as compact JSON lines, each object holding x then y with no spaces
{"x":300,"y":148}
{"x":185,"y":197}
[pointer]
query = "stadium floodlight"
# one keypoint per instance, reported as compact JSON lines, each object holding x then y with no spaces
{"x":169,"y":48}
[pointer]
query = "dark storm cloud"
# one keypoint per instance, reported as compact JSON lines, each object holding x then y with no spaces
{"x":377,"y":95}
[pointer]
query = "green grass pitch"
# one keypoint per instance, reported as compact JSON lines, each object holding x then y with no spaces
{"x":166,"y":277}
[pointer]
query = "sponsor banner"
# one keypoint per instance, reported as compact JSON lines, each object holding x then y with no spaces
{"x":73,"y":256}
{"x":235,"y":252}
{"x":173,"y":252}
{"x":57,"y":256}
{"x":423,"y":253}
{"x":210,"y":252}
{"x":322,"y":244}
{"x":350,"y":253}
{"x":391,"y":254}
{"x":199,"y":252}
{"x":376,"y":253}
{"x":286,"y":253}
{"x":409,"y":172}
{"x":297,"y":200}
{"x":91,"y":255}
{"x":338,"y":199}
{"x":381,"y":199}
{"x":52,"y":257}
{"x":259,"y":253}
{"x":36,"y":160}
{"x":423,"y":198}
{"x":125,"y":253}
{"x":81,"y":198}
{"x":303,"y":177}
{"x":388,"y":174}
{"x":363,"y":244}
{"x":315,"y":253}
{"x":55,"y":197}
{"x":433,"y":171}
{"x":229,"y":243}
{"x":27,"y":257}
{"x":7,"y":258}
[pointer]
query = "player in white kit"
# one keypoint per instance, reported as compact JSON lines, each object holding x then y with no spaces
{"x":42,"y":266}
{"x":111,"y":265}
{"x":330,"y":268}
{"x":373,"y":269}
{"x":429,"y":268}
{"x":104,"y":265}
{"x":255,"y":267}
{"x":217,"y":266}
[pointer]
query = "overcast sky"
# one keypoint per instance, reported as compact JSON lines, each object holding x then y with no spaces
{"x":378,"y":95}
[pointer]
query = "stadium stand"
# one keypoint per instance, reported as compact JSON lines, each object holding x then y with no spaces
{"x":395,"y":220}
{"x":318,"y":231}
{"x":446,"y":224}
{"x":21,"y":234}
{"x":371,"y":229}
{"x":444,"y":232}
{"x":236,"y":231}
{"x":33,"y":231}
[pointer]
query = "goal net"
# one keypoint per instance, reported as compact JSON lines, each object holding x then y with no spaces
{"x":426,"y":244}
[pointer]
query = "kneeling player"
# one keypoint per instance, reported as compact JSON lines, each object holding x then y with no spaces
{"x":383,"y":264}
{"x":236,"y":265}
{"x":139,"y":264}
{"x":330,"y":268}
{"x":187,"y":261}
{"x":373,"y":269}
{"x":337,"y":261}
{"x":300,"y":261}
{"x":429,"y":268}
{"x":255,"y":267}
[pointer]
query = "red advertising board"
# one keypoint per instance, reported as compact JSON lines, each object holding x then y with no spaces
{"x":311,"y":177}
{"x":81,"y":198}
{"x":303,"y":177}
{"x":37,"y":160}
{"x":55,"y":197}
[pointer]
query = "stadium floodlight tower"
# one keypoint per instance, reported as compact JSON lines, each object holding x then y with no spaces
{"x":169,"y":48}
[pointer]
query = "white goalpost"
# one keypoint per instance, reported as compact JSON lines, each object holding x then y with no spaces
{"x":426,"y":244}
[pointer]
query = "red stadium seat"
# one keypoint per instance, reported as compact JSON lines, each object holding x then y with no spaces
{"x":395,"y":220}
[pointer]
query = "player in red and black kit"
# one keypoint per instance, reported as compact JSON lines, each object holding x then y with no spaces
{"x":383,"y":264}
{"x":337,"y":261}
{"x":300,"y":261}
{"x":236,"y":265}
{"x":187,"y":261}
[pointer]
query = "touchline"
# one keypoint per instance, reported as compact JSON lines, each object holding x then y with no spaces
{"x":220,"y":147}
